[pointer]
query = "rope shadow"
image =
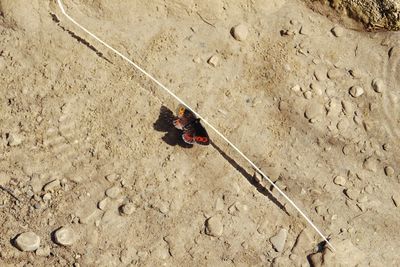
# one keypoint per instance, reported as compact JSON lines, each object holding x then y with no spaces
{"x":250,"y":178}
{"x":164,"y":124}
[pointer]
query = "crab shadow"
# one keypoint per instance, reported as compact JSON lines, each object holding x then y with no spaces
{"x":172,"y":136}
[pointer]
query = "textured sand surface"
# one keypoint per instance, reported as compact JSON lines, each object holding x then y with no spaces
{"x":88,"y":164}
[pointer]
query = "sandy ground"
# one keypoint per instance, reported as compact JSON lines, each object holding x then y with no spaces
{"x":83,"y":145}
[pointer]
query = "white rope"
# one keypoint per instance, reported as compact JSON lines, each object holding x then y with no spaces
{"x":199,"y":116}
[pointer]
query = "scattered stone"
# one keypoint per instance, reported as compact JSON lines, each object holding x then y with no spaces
{"x":339,"y":180}
{"x":27,"y":241}
{"x":356,"y":91}
{"x":14,"y":139}
{"x":127,"y":209}
{"x":103,"y":203}
{"x":320,"y":74}
{"x":343,"y":125}
{"x":337,"y":31}
{"x":370,"y":164}
{"x":335,"y":74}
{"x":304,"y":30}
{"x":112,"y":177}
{"x":396,"y":200}
{"x":128,"y":254}
{"x":389,"y":171}
{"x":213,"y":60}
{"x":348,"y":107}
{"x":113,"y":192}
{"x":240,"y":32}
{"x":317,"y":89}
{"x":378,"y":85}
{"x":314,"y":110}
{"x":52,"y":185}
{"x":214,"y":226}
{"x":64,"y":236}
{"x":356,"y":73}
{"x":43,"y":251}
{"x":278,"y":241}
{"x":351,"y":193}
{"x":219,"y":204}
{"x":37,"y":205}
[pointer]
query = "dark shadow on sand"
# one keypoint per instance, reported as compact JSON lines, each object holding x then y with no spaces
{"x":250,"y":178}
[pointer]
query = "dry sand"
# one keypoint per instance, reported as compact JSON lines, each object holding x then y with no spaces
{"x":87,"y":167}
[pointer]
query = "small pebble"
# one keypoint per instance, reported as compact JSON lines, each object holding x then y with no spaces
{"x":43,"y":251}
{"x":320,"y":74}
{"x":214,"y":226}
{"x":348,"y":107}
{"x":343,"y":125}
{"x":314,"y":110}
{"x":103,"y":203}
{"x":351,"y":193}
{"x":335,"y":74}
{"x":52,"y":185}
{"x":278,"y":241}
{"x":240,"y":32}
{"x":378,"y":85}
{"x":27,"y":241}
{"x":127,"y":209}
{"x":337,"y":31}
{"x":64,"y":236}
{"x":339,"y":180}
{"x":213,"y":61}
{"x":14,"y":139}
{"x":389,"y":171}
{"x":356,"y":91}
{"x":112,"y":177}
{"x":370,"y":164}
{"x":113,"y":192}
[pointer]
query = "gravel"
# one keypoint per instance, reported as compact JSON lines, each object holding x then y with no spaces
{"x":278,"y":241}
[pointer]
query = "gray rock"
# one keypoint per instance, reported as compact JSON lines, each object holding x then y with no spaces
{"x":213,"y":60}
{"x":337,"y":31}
{"x":356,"y":91}
{"x":214,"y":226}
{"x":278,"y":241}
{"x":240,"y":32}
{"x":339,"y":180}
{"x":378,"y":85}
{"x":113,"y":192}
{"x":14,"y":139}
{"x":127,"y":209}
{"x":43,"y":251}
{"x":64,"y":236}
{"x":27,"y":241}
